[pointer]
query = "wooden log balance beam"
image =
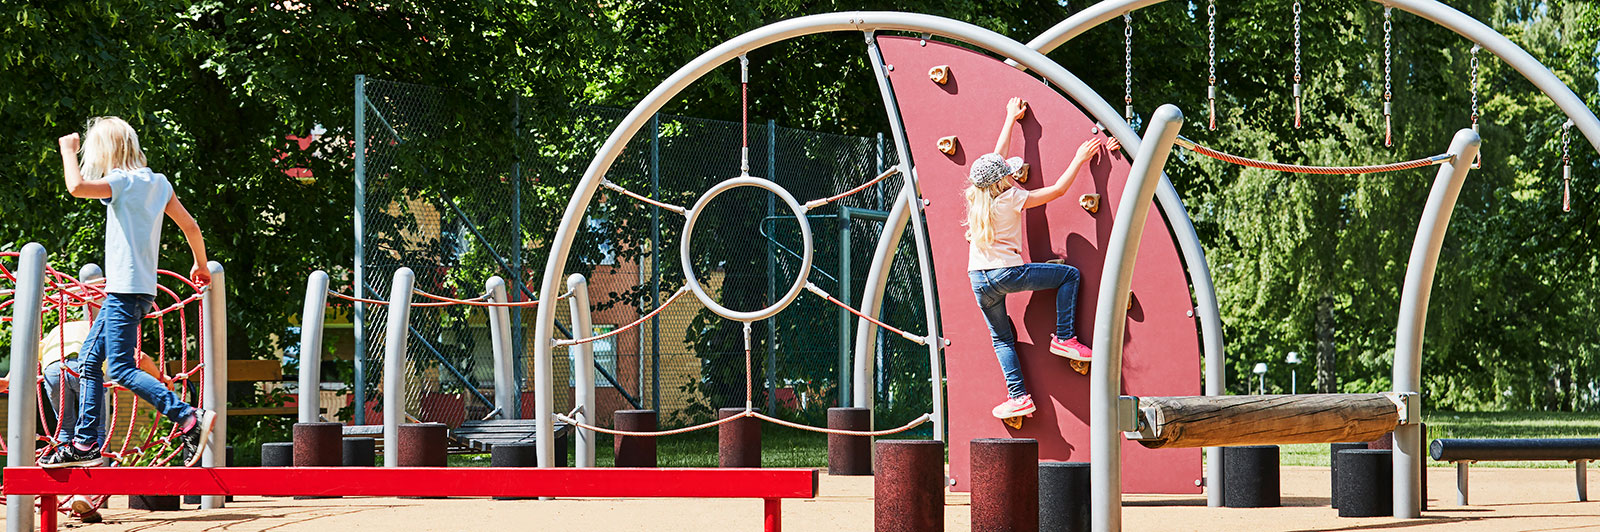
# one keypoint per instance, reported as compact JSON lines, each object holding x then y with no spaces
{"x":1216,"y":421}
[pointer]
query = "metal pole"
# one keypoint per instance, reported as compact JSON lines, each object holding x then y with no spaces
{"x":515,"y":340}
{"x":359,"y":315}
{"x":27,"y":304}
{"x":772,"y":273}
{"x":655,"y":260}
{"x":506,"y":389}
{"x":867,"y":333}
{"x":395,"y":343}
{"x":846,"y":368}
{"x":582,"y":368}
{"x":1414,"y":294}
{"x":214,"y":336}
{"x":1110,"y":323}
{"x":311,"y":320}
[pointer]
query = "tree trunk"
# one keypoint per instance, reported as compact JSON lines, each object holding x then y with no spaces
{"x":1266,"y":419}
{"x":1327,"y":382}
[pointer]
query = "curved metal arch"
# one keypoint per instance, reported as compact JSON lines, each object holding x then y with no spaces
{"x":1438,"y":13}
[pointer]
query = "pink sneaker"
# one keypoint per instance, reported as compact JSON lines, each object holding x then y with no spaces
{"x":1015,"y":406}
{"x":1070,"y":348}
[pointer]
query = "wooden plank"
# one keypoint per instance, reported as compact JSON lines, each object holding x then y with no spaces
{"x":417,"y":481}
{"x":1267,"y":419}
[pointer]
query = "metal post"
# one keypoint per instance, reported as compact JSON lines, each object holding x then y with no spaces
{"x":214,"y":338}
{"x":515,"y":341}
{"x":506,"y":389}
{"x":1461,"y":482}
{"x":395,"y":343}
{"x":845,"y":366}
{"x":1110,"y":322}
{"x":27,"y":304}
{"x":772,"y":273}
{"x":1582,"y":467}
{"x":867,"y":333}
{"x":655,"y":263}
{"x":919,"y":230}
{"x":311,"y":319}
{"x":358,"y":316}
{"x":1414,"y":294}
{"x":582,"y":368}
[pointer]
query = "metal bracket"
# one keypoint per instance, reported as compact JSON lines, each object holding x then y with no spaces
{"x":1409,"y":404}
{"x":1129,"y":419}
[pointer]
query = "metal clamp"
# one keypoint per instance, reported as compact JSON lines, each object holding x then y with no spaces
{"x":1409,"y":404}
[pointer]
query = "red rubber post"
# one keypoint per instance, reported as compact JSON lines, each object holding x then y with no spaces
{"x":634,"y":451}
{"x":772,"y":521}
{"x":1005,"y":485}
{"x":423,"y":445}
{"x":318,"y":444}
{"x":849,"y":455}
{"x":738,"y":441}
{"x":908,"y":490}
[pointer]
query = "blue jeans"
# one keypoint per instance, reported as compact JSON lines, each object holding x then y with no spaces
{"x":991,"y":287}
{"x":57,"y":382}
{"x":114,"y":337}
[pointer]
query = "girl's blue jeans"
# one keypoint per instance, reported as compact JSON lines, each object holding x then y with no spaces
{"x":115,"y":337}
{"x":991,"y":287}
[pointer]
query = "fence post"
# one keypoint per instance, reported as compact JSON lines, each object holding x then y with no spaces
{"x":772,"y":271}
{"x":358,"y":281}
{"x":518,"y":368}
{"x":655,"y":264}
{"x":846,"y":364}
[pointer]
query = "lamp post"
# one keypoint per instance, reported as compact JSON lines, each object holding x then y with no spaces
{"x":1261,"y":376}
{"x":1293,"y":360}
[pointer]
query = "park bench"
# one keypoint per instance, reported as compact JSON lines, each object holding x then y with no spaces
{"x":770,"y":485}
{"x":1463,"y":452}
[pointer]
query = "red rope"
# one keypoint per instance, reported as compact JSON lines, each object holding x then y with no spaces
{"x":1302,"y":169}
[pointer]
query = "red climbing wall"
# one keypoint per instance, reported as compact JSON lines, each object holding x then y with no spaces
{"x":1162,"y":354}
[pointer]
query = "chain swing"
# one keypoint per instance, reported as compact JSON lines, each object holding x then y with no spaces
{"x":1566,"y":166}
{"x":744,"y":121}
{"x":1477,"y":162}
{"x":1297,"y":64}
{"x":1127,"y":68}
{"x":1388,"y":94}
{"x":1211,"y":59}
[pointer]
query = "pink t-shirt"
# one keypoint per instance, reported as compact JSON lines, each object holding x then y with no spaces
{"x":1006,"y":219}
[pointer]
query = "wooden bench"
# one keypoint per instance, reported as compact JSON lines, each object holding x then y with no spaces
{"x":770,"y":485}
{"x":1463,"y":452}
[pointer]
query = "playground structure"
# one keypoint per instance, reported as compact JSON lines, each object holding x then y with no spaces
{"x":1153,"y":418}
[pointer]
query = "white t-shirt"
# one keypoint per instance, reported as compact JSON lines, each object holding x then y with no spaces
{"x":1006,"y":219}
{"x":133,"y":229}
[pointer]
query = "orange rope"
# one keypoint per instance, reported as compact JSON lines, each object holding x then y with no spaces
{"x":620,"y":330}
{"x":820,"y":293}
{"x":1320,"y":170}
{"x":885,"y":175}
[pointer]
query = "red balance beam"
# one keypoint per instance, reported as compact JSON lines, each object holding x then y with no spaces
{"x":768,"y":484}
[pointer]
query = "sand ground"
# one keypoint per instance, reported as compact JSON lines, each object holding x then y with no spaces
{"x":1503,"y":500}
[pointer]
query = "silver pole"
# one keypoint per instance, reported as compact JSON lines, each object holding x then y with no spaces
{"x":1414,"y":315}
{"x":505,"y":371}
{"x":358,"y":316}
{"x":1111,"y":312}
{"x":311,"y":319}
{"x":583,"y":368}
{"x":1439,"y":13}
{"x":395,"y":343}
{"x":214,"y":336}
{"x":894,"y":227}
{"x":27,"y":303}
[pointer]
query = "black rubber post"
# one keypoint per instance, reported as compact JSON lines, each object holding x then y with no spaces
{"x":1063,"y":496}
{"x":277,"y":454}
{"x":1251,"y":476}
{"x":634,"y":451}
{"x":359,"y":452}
{"x":1366,"y":482}
{"x":563,"y":449}
{"x":849,"y":455}
{"x":908,"y":490}
{"x":513,"y":455}
{"x":738,"y":441}
{"x":423,"y":445}
{"x":1333,"y":468}
{"x":1005,"y":485}
{"x":1424,"y":465}
{"x":155,"y":503}
{"x":227,"y":460}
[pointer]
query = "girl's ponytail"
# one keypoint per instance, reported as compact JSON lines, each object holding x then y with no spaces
{"x":980,"y":203}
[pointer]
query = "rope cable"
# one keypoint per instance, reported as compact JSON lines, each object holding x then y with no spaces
{"x":824,"y":201}
{"x":1303,"y":169}
{"x":629,"y":193}
{"x":620,"y":330}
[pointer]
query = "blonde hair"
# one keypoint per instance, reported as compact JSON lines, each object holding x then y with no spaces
{"x":980,"y":205}
{"x":110,"y":144}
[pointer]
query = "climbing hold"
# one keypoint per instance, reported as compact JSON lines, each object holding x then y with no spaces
{"x":947,"y":145}
{"x":1090,"y":202}
{"x":939,"y":74}
{"x":1022,"y":173}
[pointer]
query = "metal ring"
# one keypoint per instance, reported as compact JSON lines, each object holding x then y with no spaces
{"x":688,"y":236}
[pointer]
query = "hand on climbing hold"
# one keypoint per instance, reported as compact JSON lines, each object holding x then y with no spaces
{"x":1087,"y":152}
{"x":1113,"y":145}
{"x":1017,"y":108}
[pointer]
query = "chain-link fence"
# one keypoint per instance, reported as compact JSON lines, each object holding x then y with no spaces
{"x":461,"y":191}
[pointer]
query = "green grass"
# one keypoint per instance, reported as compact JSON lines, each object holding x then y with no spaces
{"x":786,"y":447}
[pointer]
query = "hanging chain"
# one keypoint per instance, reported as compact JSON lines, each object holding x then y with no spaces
{"x":744,"y":105}
{"x":1297,"y":63}
{"x":1477,"y":162}
{"x":1211,"y":59}
{"x":1388,"y":94}
{"x":1127,"y":67}
{"x":1566,"y":166}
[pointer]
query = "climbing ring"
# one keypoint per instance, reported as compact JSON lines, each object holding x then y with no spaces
{"x":688,"y":235}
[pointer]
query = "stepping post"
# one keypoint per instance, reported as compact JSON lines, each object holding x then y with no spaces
{"x":1005,"y":485}
{"x":849,"y":455}
{"x":908,"y":489}
{"x":634,"y":451}
{"x":738,"y":441}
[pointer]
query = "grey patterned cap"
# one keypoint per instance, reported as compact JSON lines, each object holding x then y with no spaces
{"x":991,"y":168}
